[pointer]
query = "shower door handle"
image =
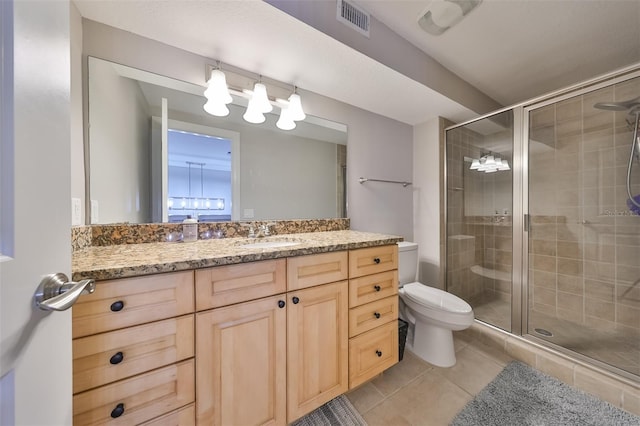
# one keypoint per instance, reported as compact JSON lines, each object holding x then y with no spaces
{"x":527,"y":218}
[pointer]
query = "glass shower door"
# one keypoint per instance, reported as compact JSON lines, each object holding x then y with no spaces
{"x":583,"y":240}
{"x":479,"y":216}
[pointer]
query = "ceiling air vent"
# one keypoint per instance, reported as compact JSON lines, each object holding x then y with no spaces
{"x":353,"y":17}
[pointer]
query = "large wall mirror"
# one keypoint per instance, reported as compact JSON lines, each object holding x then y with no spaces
{"x":155,"y":155}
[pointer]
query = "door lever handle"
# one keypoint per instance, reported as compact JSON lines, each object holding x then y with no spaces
{"x":57,"y":293}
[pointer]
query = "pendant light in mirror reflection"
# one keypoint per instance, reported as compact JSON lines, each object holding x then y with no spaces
{"x":218,"y":95}
{"x":488,"y":163}
{"x":192,"y":202}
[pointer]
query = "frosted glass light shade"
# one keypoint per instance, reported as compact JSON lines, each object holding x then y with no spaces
{"x":253,"y":114}
{"x":217,"y":108}
{"x":217,"y":89}
{"x":475,"y":164}
{"x":295,"y":108}
{"x":260,"y":99}
{"x":286,"y":122}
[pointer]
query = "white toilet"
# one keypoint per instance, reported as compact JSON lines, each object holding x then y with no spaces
{"x":432,"y":313}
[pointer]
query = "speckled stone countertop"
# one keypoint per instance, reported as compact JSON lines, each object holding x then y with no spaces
{"x":118,"y":261}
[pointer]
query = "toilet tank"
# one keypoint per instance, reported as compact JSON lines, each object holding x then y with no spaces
{"x":407,"y":262}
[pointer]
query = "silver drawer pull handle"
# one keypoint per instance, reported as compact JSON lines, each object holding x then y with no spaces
{"x":57,"y":293}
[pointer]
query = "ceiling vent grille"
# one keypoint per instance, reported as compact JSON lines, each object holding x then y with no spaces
{"x":353,"y":17}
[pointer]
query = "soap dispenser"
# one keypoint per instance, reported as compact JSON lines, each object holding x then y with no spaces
{"x":189,"y":229}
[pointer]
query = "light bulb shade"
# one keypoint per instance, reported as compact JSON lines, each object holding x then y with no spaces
{"x":295,"y":108}
{"x":490,"y":162}
{"x":253,"y":115}
{"x":285,"y":122}
{"x":217,"y":89}
{"x":504,"y":165}
{"x":217,"y":108}
{"x":475,"y":164}
{"x":260,"y":99}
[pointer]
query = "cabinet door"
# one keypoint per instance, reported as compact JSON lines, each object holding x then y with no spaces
{"x":241,"y":368}
{"x":317,"y":333}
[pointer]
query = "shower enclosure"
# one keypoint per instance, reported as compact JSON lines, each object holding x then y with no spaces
{"x":548,"y":245}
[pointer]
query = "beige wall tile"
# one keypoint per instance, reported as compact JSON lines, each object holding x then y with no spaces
{"x":571,"y":302}
{"x":629,"y":316}
{"x":597,"y":384}
{"x":631,"y":400}
{"x":599,"y":309}
{"x":521,"y":351}
{"x":556,"y":367}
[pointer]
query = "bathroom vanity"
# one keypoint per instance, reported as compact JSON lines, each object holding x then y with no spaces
{"x":222,"y":332}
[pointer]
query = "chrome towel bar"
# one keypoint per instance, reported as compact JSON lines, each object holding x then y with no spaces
{"x":404,"y":184}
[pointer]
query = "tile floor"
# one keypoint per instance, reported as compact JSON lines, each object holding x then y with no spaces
{"x":414,"y":392}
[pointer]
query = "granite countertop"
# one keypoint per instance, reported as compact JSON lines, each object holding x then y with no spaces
{"x":130,"y":260}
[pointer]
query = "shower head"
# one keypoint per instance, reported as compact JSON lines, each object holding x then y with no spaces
{"x":629,"y":105}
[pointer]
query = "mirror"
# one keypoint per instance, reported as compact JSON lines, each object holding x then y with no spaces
{"x":155,"y":155}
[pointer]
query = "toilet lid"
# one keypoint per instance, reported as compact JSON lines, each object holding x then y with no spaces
{"x":436,"y":298}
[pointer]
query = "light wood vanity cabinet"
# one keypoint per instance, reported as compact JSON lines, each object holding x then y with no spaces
{"x":273,"y":359}
{"x":253,"y":343}
{"x":373,"y":313}
{"x":133,"y":350}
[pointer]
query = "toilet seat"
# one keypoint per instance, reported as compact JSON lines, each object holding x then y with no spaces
{"x":435,"y":298}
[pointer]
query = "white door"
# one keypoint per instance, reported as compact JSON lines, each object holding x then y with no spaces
{"x":35,"y":346}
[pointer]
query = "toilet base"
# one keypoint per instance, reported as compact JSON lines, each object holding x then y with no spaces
{"x":434,"y":344}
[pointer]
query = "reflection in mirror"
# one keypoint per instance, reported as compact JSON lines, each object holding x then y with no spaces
{"x":155,"y":155}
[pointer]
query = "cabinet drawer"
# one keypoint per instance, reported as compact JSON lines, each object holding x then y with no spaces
{"x":108,"y":357}
{"x":372,"y":287}
{"x":140,"y":398}
{"x":371,"y":315}
{"x":372,"y":352}
{"x":315,"y":269}
{"x":183,"y":417}
{"x":226,"y":285}
{"x":131,"y":301}
{"x":372,"y":260}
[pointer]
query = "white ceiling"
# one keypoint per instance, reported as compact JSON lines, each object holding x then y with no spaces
{"x":514,"y":50}
{"x":510,"y":50}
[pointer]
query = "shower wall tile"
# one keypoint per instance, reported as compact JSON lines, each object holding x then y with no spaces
{"x":628,"y":316}
{"x":545,"y":247}
{"x":542,"y":279}
{"x":573,"y":316}
{"x":544,"y":263}
{"x":600,"y":252}
{"x":569,"y":266}
{"x":599,"y":309}
{"x":545,"y":296}
{"x":599,"y":290}
{"x":568,"y":128}
{"x":569,"y":249}
{"x":628,"y":295}
{"x":571,"y":302}
{"x":571,"y":284}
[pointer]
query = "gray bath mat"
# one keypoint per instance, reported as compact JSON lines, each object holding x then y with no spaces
{"x":338,"y":411}
{"x":521,"y":395}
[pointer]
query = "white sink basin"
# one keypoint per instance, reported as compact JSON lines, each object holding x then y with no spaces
{"x":270,"y":244}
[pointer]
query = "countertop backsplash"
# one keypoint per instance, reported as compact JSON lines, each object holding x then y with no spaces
{"x":83,"y":237}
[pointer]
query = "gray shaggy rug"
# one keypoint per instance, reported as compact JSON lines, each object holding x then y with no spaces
{"x":521,"y":395}
{"x":338,"y":411}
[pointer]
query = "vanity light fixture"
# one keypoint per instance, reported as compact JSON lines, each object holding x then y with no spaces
{"x":217,"y":94}
{"x":489,"y":163}
{"x":285,"y":122}
{"x":259,"y":103}
{"x":290,"y":111}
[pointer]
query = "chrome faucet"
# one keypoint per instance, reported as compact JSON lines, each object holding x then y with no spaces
{"x":262,"y":231}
